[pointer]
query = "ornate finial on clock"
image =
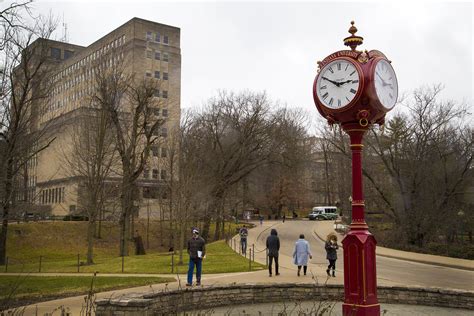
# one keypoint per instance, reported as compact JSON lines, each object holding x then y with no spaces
{"x":353,"y":41}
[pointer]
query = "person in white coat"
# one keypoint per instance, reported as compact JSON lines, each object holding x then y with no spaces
{"x":301,"y":254}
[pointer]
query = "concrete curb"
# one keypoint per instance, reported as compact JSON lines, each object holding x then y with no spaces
{"x":441,"y":264}
{"x":177,"y":301}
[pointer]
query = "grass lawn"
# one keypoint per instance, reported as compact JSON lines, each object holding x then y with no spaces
{"x":220,"y":258}
{"x":24,"y":289}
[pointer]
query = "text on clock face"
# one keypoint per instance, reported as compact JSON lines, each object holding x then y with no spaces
{"x":337,"y":84}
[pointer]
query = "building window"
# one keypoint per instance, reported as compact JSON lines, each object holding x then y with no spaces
{"x":165,"y":94}
{"x":156,"y":111}
{"x":164,"y":152}
{"x":165,"y":76}
{"x":154,"y":150}
{"x":157,"y":55}
{"x":148,"y":74}
{"x":155,"y":173}
{"x":157,"y":37}
{"x":165,"y":39}
{"x":68,"y":53}
{"x":164,"y":132}
{"x":165,"y":57}
{"x":149,"y":54}
{"x":157,"y":93}
{"x":157,"y":74}
{"x":148,"y":36}
{"x":146,"y":173}
{"x":164,"y":112}
{"x":163,"y":174}
{"x":55,"y":53}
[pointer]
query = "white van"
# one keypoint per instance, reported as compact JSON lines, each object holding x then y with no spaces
{"x":323,"y":213}
{"x":324,"y":209}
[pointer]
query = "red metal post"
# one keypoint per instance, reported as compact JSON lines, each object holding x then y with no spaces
{"x":360,"y":278}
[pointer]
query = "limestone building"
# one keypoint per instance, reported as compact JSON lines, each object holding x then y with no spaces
{"x":147,"y":49}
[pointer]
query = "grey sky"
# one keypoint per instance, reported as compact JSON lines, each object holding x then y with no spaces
{"x":274,"y":46}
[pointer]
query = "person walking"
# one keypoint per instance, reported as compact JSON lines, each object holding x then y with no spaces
{"x":197,"y":252}
{"x":331,"y":253}
{"x":301,"y":253}
{"x":243,"y":232}
{"x":273,"y":247}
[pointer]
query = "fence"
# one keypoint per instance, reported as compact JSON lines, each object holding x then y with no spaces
{"x":237,"y":247}
{"x":152,"y":263}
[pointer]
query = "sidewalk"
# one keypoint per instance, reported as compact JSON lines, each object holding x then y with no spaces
{"x":316,"y":272}
{"x":326,"y":227}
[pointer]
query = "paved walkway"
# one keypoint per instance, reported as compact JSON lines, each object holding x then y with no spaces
{"x":327,"y":227}
{"x":288,"y":275}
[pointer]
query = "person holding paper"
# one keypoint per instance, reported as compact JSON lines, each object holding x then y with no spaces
{"x":197,"y":252}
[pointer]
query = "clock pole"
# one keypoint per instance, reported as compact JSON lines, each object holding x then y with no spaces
{"x":360,"y":275}
{"x":370,"y":95}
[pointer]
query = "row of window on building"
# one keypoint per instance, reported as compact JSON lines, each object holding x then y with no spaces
{"x":157,"y":75}
{"x":155,"y":150}
{"x":155,"y":174}
{"x":156,"y":111}
{"x":163,"y":132}
{"x":157,"y":38}
{"x":157,"y":55}
{"x":53,"y":195}
{"x":117,"y":42}
{"x":24,"y":195}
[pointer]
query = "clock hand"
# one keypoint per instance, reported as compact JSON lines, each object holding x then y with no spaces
{"x":333,"y":82}
{"x":344,"y":82}
{"x":383,"y":81}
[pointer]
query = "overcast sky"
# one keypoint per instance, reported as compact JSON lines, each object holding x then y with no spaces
{"x":274,"y":46}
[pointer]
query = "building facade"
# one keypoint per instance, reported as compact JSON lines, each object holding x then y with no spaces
{"x":146,"y":49}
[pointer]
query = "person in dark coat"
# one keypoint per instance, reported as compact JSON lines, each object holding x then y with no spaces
{"x":273,"y":246}
{"x":331,"y":253}
{"x":196,"y":251}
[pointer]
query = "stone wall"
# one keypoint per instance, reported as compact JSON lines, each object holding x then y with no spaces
{"x":172,"y":302}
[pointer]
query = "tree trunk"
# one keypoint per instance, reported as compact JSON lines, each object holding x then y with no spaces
{"x":206,"y":227}
{"x":6,"y":212}
{"x":90,"y":240}
{"x":217,"y":228}
{"x":161,"y":226}
{"x":3,"y":235}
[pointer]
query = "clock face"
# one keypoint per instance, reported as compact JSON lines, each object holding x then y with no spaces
{"x":337,"y":84}
{"x":386,"y":85}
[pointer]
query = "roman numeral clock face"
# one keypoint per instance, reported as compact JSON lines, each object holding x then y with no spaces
{"x":386,"y":85}
{"x":337,"y":84}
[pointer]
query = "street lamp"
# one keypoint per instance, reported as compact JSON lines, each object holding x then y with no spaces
{"x":356,"y":89}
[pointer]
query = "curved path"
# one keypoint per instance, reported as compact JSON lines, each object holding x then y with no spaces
{"x":390,"y":271}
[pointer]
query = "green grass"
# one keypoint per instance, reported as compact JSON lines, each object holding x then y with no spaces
{"x":64,"y":240}
{"x":219,"y":259}
{"x":33,"y":288}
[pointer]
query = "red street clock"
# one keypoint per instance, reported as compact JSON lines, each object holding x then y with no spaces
{"x":356,"y":89}
{"x":355,"y":86}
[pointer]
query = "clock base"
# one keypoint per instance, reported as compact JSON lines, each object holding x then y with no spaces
{"x":360,"y":310}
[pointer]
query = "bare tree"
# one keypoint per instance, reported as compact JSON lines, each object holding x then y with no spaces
{"x":91,"y":159}
{"x":24,"y":91}
{"x":129,"y":101}
{"x":234,"y":137}
{"x":428,"y":154}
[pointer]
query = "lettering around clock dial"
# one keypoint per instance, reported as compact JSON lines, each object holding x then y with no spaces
{"x":337,"y":84}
